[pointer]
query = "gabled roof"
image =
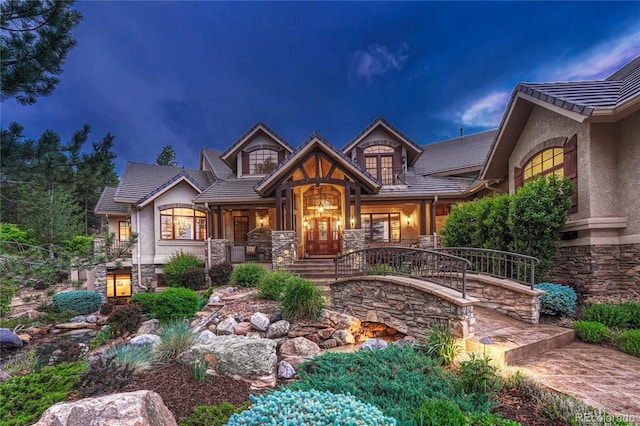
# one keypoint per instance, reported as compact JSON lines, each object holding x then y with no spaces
{"x":218,"y":167}
{"x":313,"y":142}
{"x":413,"y":149}
{"x":232,"y":191}
{"x":141,"y":183}
{"x":106,"y":205}
{"x":455,"y":155}
{"x":602,"y":100}
{"x":230,"y":154}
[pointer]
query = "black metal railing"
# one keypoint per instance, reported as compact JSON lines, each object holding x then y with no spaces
{"x":404,"y":242}
{"x":119,"y":248}
{"x":441,"y":268}
{"x":249,"y":251}
{"x":500,"y":264}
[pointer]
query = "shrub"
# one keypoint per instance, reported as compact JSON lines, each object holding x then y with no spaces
{"x":478,"y":375}
{"x":486,"y":419}
{"x":130,"y":357}
{"x":69,"y":351}
{"x":146,"y":301}
{"x":311,"y":407}
{"x":125,"y":319}
{"x":177,"y":265}
{"x":302,"y":300}
{"x":442,"y":345}
{"x":592,"y":332}
{"x":460,"y":225}
{"x":220,"y":274}
{"x":101,"y":338}
{"x":83,"y":302}
{"x":633,"y":309}
{"x":248,"y":274}
{"x":629,"y":342}
{"x":23,"y":399}
{"x":272,"y":285}
{"x":213,"y":415}
{"x":175,"y":338}
{"x":103,"y":376}
{"x":107,"y":309}
{"x":397,"y":380}
{"x":194,"y":278}
{"x":559,"y":299}
{"x":21,"y":363}
{"x":176,"y":304}
{"x":7,"y":289}
{"x":439,"y":412}
{"x":610,"y":315}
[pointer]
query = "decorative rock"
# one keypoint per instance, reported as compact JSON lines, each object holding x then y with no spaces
{"x":406,"y":341}
{"x":374,"y":344}
{"x":325,"y":333}
{"x":149,"y":327}
{"x":205,"y":336}
{"x":25,"y":337}
{"x":338,"y":320}
{"x":79,"y":318}
{"x":227,"y":326}
{"x":9,"y":339}
{"x":295,"y":361}
{"x":260,"y":321}
{"x":255,"y":335}
{"x":285,"y":370}
{"x":328,"y":344}
{"x":141,"y":408}
{"x":278,"y":329}
{"x":74,"y":325}
{"x":299,"y":347}
{"x":343,"y":337}
{"x":214,"y":299}
{"x":145,"y":340}
{"x":92,"y":318}
{"x":276,"y":316}
{"x":4,"y":376}
{"x":212,"y":328}
{"x":262,"y":383}
{"x":314,"y":338}
{"x":242,"y":329}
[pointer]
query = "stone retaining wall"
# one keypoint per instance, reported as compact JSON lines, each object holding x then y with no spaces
{"x":598,"y":269}
{"x":506,"y":297}
{"x":409,"y":305}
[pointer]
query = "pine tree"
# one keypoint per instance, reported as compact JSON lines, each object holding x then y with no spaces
{"x":167,"y":157}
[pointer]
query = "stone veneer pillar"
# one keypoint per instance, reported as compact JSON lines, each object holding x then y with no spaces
{"x":101,"y":270}
{"x":218,"y":252}
{"x":352,"y":240}
{"x":148,"y":276}
{"x":285,"y":248}
{"x":429,"y":241}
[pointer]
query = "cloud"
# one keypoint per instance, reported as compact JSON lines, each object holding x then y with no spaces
{"x":487,"y":111}
{"x":377,"y":60}
{"x":601,"y":60}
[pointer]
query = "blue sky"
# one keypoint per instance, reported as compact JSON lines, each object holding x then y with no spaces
{"x":199,"y":74}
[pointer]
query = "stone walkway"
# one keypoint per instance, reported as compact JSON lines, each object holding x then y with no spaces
{"x":602,"y":377}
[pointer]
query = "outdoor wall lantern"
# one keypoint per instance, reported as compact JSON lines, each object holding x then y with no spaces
{"x":408,"y":220}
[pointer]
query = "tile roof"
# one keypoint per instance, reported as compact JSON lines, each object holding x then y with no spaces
{"x":455,"y":154}
{"x":106,"y":205}
{"x":231,"y":190}
{"x":140,"y":182}
{"x":220,"y":168}
{"x":427,"y":185}
{"x":231,"y":151}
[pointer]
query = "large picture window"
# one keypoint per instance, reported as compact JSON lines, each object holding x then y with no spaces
{"x":379,"y":163}
{"x":262,"y":161}
{"x":549,"y":161}
{"x":183,"y":224}
{"x":381,"y":227}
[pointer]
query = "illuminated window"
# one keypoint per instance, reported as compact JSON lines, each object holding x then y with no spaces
{"x":262,"y":161}
{"x":183,"y":224}
{"x":118,"y":285}
{"x":124,"y":231}
{"x":379,"y":163}
{"x":381,"y":227}
{"x":549,"y":161}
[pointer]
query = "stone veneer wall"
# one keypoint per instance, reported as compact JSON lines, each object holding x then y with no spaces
{"x":599,"y":269}
{"x":218,"y":251}
{"x":409,"y":305}
{"x":284,"y":248}
{"x":429,"y":241}
{"x":352,"y":240}
{"x":100,"y":282}
{"x":149,"y":278}
{"x":510,"y":298}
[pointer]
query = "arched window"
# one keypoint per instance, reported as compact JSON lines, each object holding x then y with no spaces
{"x":183,"y":224}
{"x":378,"y":161}
{"x":262,"y":161}
{"x":549,"y":161}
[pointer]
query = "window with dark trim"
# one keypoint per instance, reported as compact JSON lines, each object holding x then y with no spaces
{"x":262,"y":161}
{"x":124,"y":230}
{"x":378,"y":160}
{"x":183,"y":224}
{"x":381,"y":227}
{"x":118,"y":285}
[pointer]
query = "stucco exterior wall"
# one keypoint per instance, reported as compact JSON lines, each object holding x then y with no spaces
{"x":142,"y":223}
{"x":603,"y":171}
{"x":545,"y":125}
{"x":627,"y":136}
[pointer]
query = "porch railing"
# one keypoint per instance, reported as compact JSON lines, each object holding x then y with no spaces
{"x":249,"y":251}
{"x":119,"y":248}
{"x":441,"y":268}
{"x":500,"y":264}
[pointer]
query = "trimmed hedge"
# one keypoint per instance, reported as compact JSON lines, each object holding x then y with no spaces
{"x":248,"y":274}
{"x":81,"y":301}
{"x":146,"y":301}
{"x":592,"y":332}
{"x":194,"y":278}
{"x":610,"y":315}
{"x":220,"y":274}
{"x":176,"y":304}
{"x":177,"y":265}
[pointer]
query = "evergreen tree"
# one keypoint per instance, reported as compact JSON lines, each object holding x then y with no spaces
{"x":167,"y":157}
{"x":36,"y":37}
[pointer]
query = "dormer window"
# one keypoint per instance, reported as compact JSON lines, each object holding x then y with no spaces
{"x":260,"y":161}
{"x":378,"y":161}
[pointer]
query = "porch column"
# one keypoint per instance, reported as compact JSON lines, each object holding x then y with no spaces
{"x":347,"y":205}
{"x":220,"y":222}
{"x":357,"y":208}
{"x":278,"y":209}
{"x":423,"y":217}
{"x":433,"y":216}
{"x":288,"y":202}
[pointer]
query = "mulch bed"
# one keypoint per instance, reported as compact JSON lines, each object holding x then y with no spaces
{"x":181,"y":394}
{"x":512,"y":406}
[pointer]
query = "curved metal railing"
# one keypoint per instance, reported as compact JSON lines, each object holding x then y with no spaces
{"x":441,"y":268}
{"x":499,"y":264}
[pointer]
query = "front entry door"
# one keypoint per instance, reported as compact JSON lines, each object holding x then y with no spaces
{"x":323,"y":237}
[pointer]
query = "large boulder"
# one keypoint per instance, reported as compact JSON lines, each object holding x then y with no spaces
{"x":260,"y":321}
{"x":9,"y":339}
{"x":227,"y":326}
{"x":150,"y":327}
{"x":145,"y":340}
{"x":299,"y":347}
{"x":278,"y":329}
{"x":240,"y":357}
{"x":141,"y":408}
